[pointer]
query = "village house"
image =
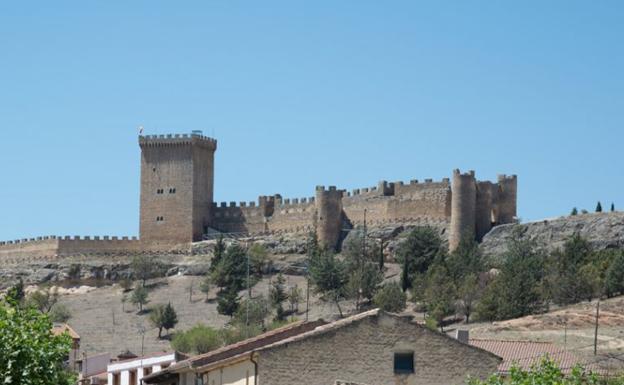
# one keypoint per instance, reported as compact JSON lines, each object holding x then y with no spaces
{"x":373,"y":347}
{"x":132,"y":370}
{"x":63,"y":328}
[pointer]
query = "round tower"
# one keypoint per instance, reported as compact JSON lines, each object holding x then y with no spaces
{"x":329,"y":216}
{"x":486,"y":196}
{"x":508,"y":188}
{"x":463,"y":206}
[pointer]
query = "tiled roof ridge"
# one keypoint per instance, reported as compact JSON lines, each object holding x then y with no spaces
{"x":514,"y":341}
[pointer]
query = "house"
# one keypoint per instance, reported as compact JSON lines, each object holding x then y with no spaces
{"x":372,"y":347}
{"x":130,"y":371}
{"x":62,"y":328}
{"x":92,"y":369}
{"x":525,"y":354}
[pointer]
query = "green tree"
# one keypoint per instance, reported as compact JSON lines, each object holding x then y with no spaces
{"x":16,"y":294}
{"x":363,"y":274}
{"x":465,"y":259}
{"x":565,"y":268}
{"x":43,"y":300}
{"x":418,"y":251}
{"x":227,"y":302}
{"x":217,"y":253}
{"x":295,"y":296}
{"x":574,"y":211}
{"x":259,"y":259}
{"x":60,"y":313}
{"x":612,"y":207}
{"x":599,"y":207}
{"x":391,"y":297}
{"x":468,"y":294}
{"x":516,"y":290}
{"x":143,"y":267}
{"x":614,"y":280}
{"x":277,"y":294}
{"x":329,"y":277}
{"x":139,"y":297}
{"x":253,"y":312}
{"x":29,"y":352}
{"x":231,"y":271}
{"x":440,"y":294}
{"x":204,"y":285}
{"x":163,"y":317}
{"x":545,"y":373}
{"x":199,"y":339}
{"x":363,"y":281}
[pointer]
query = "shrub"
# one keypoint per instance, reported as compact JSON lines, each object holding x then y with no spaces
{"x":390,"y":298}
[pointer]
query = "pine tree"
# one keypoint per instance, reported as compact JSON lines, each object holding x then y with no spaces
{"x":278,"y":295}
{"x":598,"y":207}
{"x":612,"y":207}
{"x":574,"y":211}
{"x":227,"y":302}
{"x":217,"y":253}
{"x":163,"y":317}
{"x":139,"y":297}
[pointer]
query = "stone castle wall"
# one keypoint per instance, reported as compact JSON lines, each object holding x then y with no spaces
{"x":67,"y":246}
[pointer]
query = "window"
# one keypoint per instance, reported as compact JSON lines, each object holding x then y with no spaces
{"x":160,"y":191}
{"x":147,"y":371}
{"x":172,"y":191}
{"x":404,"y":363}
{"x":160,"y":219}
{"x":116,"y":379}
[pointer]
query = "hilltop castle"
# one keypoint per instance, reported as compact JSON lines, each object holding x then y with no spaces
{"x":177,"y":206}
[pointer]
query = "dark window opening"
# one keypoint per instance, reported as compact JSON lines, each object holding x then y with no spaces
{"x":160,"y":219}
{"x":147,"y":371}
{"x":404,"y":363}
{"x":160,"y":191}
{"x":172,"y":191}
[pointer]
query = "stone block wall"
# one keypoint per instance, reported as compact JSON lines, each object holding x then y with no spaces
{"x":364,"y":352}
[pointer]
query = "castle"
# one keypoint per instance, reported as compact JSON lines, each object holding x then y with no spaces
{"x":177,"y":206}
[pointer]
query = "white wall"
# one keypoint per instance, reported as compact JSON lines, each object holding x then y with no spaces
{"x":241,"y":373}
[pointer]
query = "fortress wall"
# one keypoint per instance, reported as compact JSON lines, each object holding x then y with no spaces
{"x":429,"y":200}
{"x":293,"y":215}
{"x":34,"y":247}
{"x":242,"y":218}
{"x":55,"y":246}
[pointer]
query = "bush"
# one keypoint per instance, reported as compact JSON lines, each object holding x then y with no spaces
{"x":545,"y":373}
{"x":60,"y":313}
{"x":197,"y":340}
{"x":417,"y":252}
{"x":390,"y":298}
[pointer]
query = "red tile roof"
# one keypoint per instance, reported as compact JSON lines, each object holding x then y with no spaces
{"x":528,"y":353}
{"x":58,"y":329}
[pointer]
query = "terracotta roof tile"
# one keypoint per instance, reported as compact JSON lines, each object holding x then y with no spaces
{"x":528,"y":353}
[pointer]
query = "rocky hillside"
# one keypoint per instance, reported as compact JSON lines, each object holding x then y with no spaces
{"x":602,"y":230}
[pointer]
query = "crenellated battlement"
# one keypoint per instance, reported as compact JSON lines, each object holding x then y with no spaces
{"x":178,"y":140}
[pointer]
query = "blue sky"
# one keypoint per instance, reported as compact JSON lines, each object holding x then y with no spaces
{"x":305,"y":93}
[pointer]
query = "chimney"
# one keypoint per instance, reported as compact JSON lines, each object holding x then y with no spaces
{"x":462,"y":336}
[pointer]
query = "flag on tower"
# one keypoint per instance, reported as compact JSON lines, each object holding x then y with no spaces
{"x":140,"y":130}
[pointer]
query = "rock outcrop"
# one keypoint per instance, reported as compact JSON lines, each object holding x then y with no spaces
{"x":602,"y":230}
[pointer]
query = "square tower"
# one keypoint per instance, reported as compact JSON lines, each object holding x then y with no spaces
{"x":177,"y":178}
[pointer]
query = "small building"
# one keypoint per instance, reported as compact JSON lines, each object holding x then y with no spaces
{"x":372,"y":347}
{"x":63,"y":328}
{"x":132,"y":370}
{"x":92,"y":369}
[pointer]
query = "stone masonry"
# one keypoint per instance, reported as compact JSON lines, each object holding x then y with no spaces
{"x":177,"y":206}
{"x":361,"y":349}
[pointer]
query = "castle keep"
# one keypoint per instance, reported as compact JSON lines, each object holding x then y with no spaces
{"x":177,"y":176}
{"x":177,"y":206}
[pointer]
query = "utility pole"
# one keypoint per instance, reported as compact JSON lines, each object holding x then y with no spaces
{"x":596,"y":328}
